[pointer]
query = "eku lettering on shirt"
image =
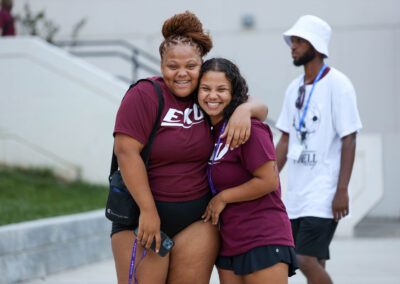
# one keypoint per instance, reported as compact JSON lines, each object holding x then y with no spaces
{"x":185,"y":119}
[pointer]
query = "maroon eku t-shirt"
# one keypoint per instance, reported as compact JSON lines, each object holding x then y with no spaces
{"x":259,"y":222}
{"x":182,"y":145}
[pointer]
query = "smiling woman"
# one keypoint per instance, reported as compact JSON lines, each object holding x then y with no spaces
{"x":172,"y":193}
{"x":221,"y":82}
{"x":214,"y":95}
{"x":247,"y":201}
{"x":180,"y":67}
{"x":170,"y":199}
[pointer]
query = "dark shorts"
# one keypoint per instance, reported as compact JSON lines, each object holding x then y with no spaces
{"x":174,"y":216}
{"x":259,"y":258}
{"x":313,"y":235}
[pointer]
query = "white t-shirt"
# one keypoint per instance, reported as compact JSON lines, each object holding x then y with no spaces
{"x":332,"y":114}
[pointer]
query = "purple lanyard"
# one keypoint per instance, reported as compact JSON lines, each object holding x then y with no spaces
{"x":216,"y":146}
{"x":132,"y":269}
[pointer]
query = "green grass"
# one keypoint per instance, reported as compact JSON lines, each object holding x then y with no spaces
{"x":28,"y":194}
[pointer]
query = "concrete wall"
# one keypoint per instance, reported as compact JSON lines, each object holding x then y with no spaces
{"x":56,"y":110}
{"x":38,"y":248}
{"x":365,"y":41}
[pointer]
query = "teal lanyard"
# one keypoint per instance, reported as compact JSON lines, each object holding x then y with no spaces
{"x":303,"y":115}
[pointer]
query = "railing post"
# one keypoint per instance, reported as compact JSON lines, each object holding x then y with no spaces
{"x":135,"y":65}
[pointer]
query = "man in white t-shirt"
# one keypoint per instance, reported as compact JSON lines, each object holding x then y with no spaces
{"x":319,"y":122}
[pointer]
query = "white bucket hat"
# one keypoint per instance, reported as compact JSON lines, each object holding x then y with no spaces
{"x":314,"y":30}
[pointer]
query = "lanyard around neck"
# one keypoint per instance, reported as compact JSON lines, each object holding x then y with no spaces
{"x":214,"y":154}
{"x":303,"y":115}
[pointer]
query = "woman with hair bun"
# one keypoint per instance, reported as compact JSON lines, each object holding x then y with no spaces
{"x":173,"y":192}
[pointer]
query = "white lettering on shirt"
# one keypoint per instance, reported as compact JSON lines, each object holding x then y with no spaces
{"x":185,"y":119}
{"x":221,"y":149}
{"x":198,"y":114}
{"x":172,"y":115}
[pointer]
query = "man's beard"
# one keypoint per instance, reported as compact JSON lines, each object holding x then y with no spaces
{"x":307,"y":57}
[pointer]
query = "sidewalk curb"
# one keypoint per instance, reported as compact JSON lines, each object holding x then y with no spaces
{"x":38,"y":248}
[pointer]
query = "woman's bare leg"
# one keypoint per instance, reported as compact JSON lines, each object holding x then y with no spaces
{"x":276,"y":274}
{"x":193,"y":256}
{"x":152,"y":269}
{"x":229,"y":277}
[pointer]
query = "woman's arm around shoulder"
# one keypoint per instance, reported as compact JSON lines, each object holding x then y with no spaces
{"x":258,"y":157}
{"x":238,"y":129}
{"x":265,"y":180}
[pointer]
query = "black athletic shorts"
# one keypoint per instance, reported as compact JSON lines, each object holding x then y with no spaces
{"x":313,"y":235}
{"x":174,"y":216}
{"x":259,"y":258}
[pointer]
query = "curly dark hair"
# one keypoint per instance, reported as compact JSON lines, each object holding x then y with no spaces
{"x":185,"y":28}
{"x":232,"y":73}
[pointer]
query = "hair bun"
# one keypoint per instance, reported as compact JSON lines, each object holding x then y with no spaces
{"x":185,"y":28}
{"x":182,"y":24}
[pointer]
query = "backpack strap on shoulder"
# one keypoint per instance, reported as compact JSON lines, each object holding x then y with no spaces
{"x":147,"y":148}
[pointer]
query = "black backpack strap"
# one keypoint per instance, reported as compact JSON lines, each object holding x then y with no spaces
{"x":147,"y":148}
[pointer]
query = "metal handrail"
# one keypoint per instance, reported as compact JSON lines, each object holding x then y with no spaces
{"x":133,"y":57}
{"x":122,"y":43}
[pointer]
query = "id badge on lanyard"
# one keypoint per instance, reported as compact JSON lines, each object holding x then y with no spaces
{"x":295,"y":151}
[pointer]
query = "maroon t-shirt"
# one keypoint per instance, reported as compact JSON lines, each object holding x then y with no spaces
{"x":259,"y":222}
{"x":182,"y":145}
{"x":7,"y":23}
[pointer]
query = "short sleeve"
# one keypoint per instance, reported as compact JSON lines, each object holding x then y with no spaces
{"x":283,"y":122}
{"x":260,"y":148}
{"x":137,"y":112}
{"x":346,"y":118}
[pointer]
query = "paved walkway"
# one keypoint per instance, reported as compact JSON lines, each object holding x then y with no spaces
{"x":354,"y":261}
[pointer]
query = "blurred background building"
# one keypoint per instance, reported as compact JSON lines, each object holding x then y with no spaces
{"x":58,"y":101}
{"x":60,"y":89}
